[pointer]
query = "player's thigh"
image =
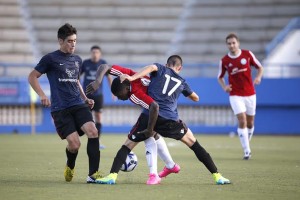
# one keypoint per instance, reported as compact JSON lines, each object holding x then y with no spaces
{"x":84,"y":121}
{"x":237,"y":104}
{"x":140,"y":125}
{"x":64,"y":123}
{"x":250,"y":103}
{"x":189,"y":138}
{"x":171,"y":129}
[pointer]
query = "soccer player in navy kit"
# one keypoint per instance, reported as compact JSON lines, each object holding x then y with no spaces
{"x":89,"y":69}
{"x":165,"y":87}
{"x":136,"y":92}
{"x":70,"y":108}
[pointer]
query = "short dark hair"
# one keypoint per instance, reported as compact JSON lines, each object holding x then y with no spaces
{"x":174,"y":60}
{"x":65,"y":31}
{"x":117,"y":87}
{"x":95,"y":47}
{"x":232,"y":35}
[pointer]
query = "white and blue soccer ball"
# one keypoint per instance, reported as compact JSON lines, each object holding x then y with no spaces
{"x":130,"y":163}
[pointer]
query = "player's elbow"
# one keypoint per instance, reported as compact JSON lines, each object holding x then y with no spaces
{"x":154,"y":106}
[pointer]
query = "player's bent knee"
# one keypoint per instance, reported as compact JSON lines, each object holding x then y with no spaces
{"x":90,"y":130}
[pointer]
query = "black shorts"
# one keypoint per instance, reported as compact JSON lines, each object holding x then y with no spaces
{"x":98,"y":102}
{"x":71,"y":119}
{"x":164,"y":127}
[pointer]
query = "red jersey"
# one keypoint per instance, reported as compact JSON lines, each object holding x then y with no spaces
{"x":239,"y":72}
{"x":139,"y":87}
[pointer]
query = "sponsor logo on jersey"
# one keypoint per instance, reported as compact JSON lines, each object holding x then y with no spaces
{"x":243,"y":61}
{"x":70,"y":74}
{"x":145,"y":82}
{"x":237,"y":70}
{"x":230,"y":65}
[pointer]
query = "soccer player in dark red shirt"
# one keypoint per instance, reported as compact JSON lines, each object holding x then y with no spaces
{"x":237,"y":63}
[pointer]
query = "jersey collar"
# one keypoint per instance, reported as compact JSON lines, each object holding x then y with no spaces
{"x":232,"y":56}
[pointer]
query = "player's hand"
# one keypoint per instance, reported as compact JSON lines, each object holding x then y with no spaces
{"x":257,"y":81}
{"x":90,"y":103}
{"x":147,"y":133}
{"x":45,"y":101}
{"x":228,"y":88}
{"x":123,"y":77}
{"x":92,"y":87}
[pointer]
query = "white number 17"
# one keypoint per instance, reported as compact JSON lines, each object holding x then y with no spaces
{"x":178,"y":83}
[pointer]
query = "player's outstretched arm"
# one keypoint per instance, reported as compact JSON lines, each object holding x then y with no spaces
{"x":194,"y":97}
{"x":33,"y":81}
{"x":101,"y":71}
{"x":145,"y":71}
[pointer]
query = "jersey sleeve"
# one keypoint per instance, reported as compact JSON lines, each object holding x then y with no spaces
{"x":187,"y":91}
{"x":141,"y":99}
{"x":222,"y":70}
{"x":253,"y":61}
{"x":117,"y":70}
{"x":43,"y":65}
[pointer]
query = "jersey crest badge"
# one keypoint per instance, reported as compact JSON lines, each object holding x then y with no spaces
{"x":243,"y":61}
{"x":70,"y":72}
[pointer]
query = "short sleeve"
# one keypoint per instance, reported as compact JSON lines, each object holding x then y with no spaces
{"x":222,"y":70}
{"x":253,"y":61}
{"x":43,"y":65}
{"x":118,"y":70}
{"x":186,"y":90}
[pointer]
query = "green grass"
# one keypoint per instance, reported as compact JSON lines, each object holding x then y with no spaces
{"x":31,"y":167}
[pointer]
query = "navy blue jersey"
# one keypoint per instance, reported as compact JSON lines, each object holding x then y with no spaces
{"x":63,"y":73}
{"x":165,"y":87}
{"x":89,"y":68}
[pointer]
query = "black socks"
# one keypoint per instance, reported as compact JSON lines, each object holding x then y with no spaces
{"x":204,"y":157}
{"x":93,"y":154}
{"x":120,"y":159}
{"x":71,"y":158}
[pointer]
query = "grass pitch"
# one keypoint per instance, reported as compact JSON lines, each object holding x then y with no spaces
{"x":31,"y":167}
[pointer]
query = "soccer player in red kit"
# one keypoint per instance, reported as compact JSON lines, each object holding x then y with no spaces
{"x":242,"y":97}
{"x":136,"y":92}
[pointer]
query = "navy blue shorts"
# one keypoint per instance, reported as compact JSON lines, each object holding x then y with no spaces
{"x":164,"y":127}
{"x":71,"y":119}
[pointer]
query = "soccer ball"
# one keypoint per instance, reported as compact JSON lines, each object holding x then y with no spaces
{"x":130,"y":163}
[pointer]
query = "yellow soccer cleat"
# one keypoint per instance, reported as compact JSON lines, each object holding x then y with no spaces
{"x":110,"y":179}
{"x":68,"y":173}
{"x":92,"y":178}
{"x":219,"y":179}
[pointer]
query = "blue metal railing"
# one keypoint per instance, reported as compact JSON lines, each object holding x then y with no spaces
{"x":292,"y":25}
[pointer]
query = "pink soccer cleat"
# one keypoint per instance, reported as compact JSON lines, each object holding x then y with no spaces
{"x":165,"y":172}
{"x":153,"y":179}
